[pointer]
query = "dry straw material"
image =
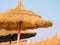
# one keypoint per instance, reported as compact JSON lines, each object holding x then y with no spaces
{"x":20,"y":19}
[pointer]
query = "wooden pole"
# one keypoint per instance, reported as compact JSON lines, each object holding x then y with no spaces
{"x":10,"y":39}
{"x":10,"y":42}
{"x":18,"y":38}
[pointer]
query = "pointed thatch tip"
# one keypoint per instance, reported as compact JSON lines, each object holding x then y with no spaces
{"x":20,"y":5}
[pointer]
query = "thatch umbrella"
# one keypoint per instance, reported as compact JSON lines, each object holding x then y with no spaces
{"x":21,"y":19}
{"x":13,"y":36}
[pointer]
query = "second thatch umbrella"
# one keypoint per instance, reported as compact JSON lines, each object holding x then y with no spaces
{"x":21,"y":19}
{"x":13,"y":37}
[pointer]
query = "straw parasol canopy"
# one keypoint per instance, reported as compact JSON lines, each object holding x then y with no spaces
{"x":20,"y":18}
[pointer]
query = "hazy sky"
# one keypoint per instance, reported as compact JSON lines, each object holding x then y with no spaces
{"x":47,"y":9}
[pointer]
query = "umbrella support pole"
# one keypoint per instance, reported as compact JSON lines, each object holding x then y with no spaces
{"x":10,"y":42}
{"x":18,"y":38}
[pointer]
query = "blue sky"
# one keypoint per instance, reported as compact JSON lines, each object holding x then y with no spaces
{"x":47,"y":9}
